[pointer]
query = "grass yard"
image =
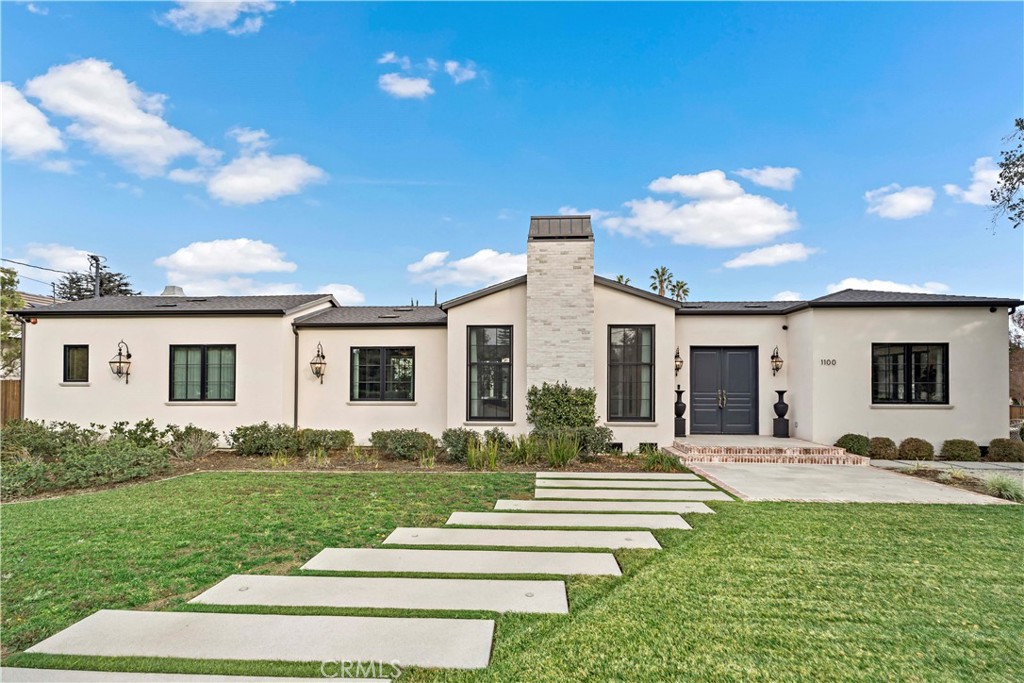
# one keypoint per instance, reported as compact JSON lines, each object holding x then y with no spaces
{"x":758,"y":592}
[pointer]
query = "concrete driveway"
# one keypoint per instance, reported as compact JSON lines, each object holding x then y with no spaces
{"x":832,"y":484}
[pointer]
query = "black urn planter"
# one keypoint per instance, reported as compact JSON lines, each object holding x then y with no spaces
{"x":680,"y":411}
{"x":780,"y":425}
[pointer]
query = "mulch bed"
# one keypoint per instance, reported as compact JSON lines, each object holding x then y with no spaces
{"x":968,"y":482}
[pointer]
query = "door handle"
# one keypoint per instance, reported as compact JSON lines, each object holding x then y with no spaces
{"x":720,"y":406}
{"x":725,"y":398}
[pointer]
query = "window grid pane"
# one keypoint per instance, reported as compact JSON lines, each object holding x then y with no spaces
{"x":383,"y":374}
{"x":203,"y":373}
{"x":909,"y":373}
{"x":76,"y":363}
{"x":489,"y":375}
{"x":630,"y":373}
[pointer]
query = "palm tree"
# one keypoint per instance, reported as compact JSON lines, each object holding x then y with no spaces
{"x":679,"y":290}
{"x":622,"y":279}
{"x":661,"y":279}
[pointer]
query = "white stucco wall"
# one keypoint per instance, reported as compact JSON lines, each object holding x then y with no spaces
{"x":797,"y":375}
{"x":505,"y":307}
{"x":263,"y":366}
{"x":329,"y":405}
{"x":762,"y":331}
{"x":978,"y":373}
{"x":613,"y":307}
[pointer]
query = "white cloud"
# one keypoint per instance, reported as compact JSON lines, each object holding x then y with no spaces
{"x":405,"y":87}
{"x":460,"y":73}
{"x":431,"y":64}
{"x":486,"y":266}
{"x":775,"y":177}
{"x":595,"y":214}
{"x":114,"y":116}
{"x":984,"y":178}
{"x":403,"y":63}
{"x":235,"y":18}
{"x":250,"y":140}
{"x":887,"y":286}
{"x":706,"y":185}
{"x":25,"y":132}
{"x":898,"y":203}
{"x":347,"y":295}
{"x":772,"y":256}
{"x":232,"y":285}
{"x":787,"y":295}
{"x":255,"y":178}
{"x":188,"y":175}
{"x":234,"y":256}
{"x":134,"y":190}
{"x":36,"y":9}
{"x":59,"y":166}
{"x":58,"y":257}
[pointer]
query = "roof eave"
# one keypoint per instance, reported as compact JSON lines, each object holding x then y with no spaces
{"x":481,"y":293}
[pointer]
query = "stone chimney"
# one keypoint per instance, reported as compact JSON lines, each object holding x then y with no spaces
{"x":560,"y":301}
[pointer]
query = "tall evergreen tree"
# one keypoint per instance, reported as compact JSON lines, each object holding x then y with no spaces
{"x":10,"y":335}
{"x":1007,"y":195}
{"x":75,"y":286}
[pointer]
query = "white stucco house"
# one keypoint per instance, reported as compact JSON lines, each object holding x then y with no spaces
{"x":877,"y":363}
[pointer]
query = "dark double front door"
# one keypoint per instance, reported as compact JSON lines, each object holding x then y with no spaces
{"x":723,"y":390}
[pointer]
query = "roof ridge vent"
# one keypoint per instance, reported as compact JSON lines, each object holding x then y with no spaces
{"x":404,"y":309}
{"x":166,"y":305}
{"x":387,"y":315}
{"x":755,"y":305}
{"x":692,"y":306}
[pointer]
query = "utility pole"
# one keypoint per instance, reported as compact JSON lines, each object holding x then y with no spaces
{"x":96,"y":268}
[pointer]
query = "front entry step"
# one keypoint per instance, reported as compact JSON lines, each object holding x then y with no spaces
{"x":523,"y":538}
{"x":610,"y":484}
{"x":559,"y":519}
{"x":620,"y":494}
{"x":602,"y":506}
{"x":463,"y":561}
{"x":447,"y":643}
{"x":493,"y":595}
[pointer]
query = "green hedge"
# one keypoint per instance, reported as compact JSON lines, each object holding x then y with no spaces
{"x":913,"y":448}
{"x":457,"y":441}
{"x":557,"y":410}
{"x":406,"y":444}
{"x":858,"y":444}
{"x":1005,"y":450}
{"x":883,"y":447}
{"x":959,"y":449}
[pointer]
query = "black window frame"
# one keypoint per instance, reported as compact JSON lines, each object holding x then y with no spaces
{"x":385,"y":352}
{"x":203,"y":367}
{"x":511,"y":374}
{"x":608,"y":378}
{"x":68,"y":348}
{"x":908,"y":380}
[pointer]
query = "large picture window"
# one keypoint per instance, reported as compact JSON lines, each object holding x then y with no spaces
{"x":382,"y":373}
{"x":76,"y":363}
{"x":910,"y":373}
{"x":631,"y":373}
{"x":489,"y":374}
{"x":203,"y":373}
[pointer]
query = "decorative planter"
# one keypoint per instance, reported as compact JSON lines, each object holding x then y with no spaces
{"x":680,"y":411}
{"x":780,"y":425}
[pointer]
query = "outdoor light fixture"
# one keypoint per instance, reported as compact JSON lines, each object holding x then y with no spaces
{"x":776,"y":361}
{"x":679,"y":361}
{"x":122,"y":362}
{"x":319,"y":364}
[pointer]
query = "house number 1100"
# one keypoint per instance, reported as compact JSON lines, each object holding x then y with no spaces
{"x":828,"y":361}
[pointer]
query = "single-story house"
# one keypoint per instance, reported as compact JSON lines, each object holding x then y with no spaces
{"x":877,"y":363}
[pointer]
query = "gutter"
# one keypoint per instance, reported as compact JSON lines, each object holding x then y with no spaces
{"x":295,"y":380}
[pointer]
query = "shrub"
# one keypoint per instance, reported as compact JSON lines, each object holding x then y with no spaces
{"x":25,"y":477}
{"x":1005,"y":486}
{"x":882,"y":447}
{"x":913,"y":448}
{"x":1005,"y":450}
{"x":309,"y":440}
{"x":560,"y":449}
{"x":263,"y":439}
{"x":591,"y":439}
{"x":524,"y":450}
{"x":42,"y":440}
{"x":318,"y":458}
{"x":114,"y":461}
{"x":959,"y":449}
{"x":497,"y":436}
{"x":406,"y":444}
{"x":144,"y":433}
{"x":190,"y":442}
{"x":482,"y":455}
{"x":657,"y":460}
{"x":858,"y":444}
{"x":457,"y":440}
{"x":560,"y":405}
{"x":955,"y":476}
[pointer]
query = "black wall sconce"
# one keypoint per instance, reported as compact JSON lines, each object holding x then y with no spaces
{"x":121,"y":364}
{"x":319,"y":364}
{"x":679,"y":362}
{"x":776,"y":361}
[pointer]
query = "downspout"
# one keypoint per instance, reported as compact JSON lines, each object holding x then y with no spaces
{"x":295,"y":380}
{"x":21,"y":361}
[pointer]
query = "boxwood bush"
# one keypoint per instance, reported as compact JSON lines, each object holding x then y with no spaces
{"x":263,"y":439}
{"x":913,"y":448}
{"x":882,"y":447}
{"x":959,"y":449}
{"x":457,"y":441}
{"x":557,"y":409}
{"x":406,"y":444}
{"x":312,"y":440}
{"x":857,"y":444}
{"x":1005,"y":450}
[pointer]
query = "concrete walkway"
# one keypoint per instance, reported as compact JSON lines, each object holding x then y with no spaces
{"x":833,"y":484}
{"x":18,"y":675}
{"x":979,"y":469}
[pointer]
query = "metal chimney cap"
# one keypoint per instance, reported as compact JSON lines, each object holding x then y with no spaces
{"x":172,"y":290}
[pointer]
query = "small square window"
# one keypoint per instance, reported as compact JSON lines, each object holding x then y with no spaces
{"x":76,"y":363}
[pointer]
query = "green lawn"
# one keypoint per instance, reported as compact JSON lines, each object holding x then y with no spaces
{"x":760,"y":591}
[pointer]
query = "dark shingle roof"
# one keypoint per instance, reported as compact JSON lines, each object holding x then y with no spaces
{"x":560,"y":227}
{"x":736,"y":307}
{"x":860,"y":297}
{"x":181,"y":305}
{"x":375,"y":316}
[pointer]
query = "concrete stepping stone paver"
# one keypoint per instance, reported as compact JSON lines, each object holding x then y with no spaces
{"x":447,"y":643}
{"x":621,"y":494}
{"x":523,"y":538}
{"x":463,"y":561}
{"x":20,"y":675}
{"x":610,"y":484}
{"x":568,"y":519}
{"x":495,"y":595}
{"x":620,"y":476}
{"x":603,"y":506}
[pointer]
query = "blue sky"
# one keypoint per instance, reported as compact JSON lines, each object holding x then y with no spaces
{"x":380,"y":151}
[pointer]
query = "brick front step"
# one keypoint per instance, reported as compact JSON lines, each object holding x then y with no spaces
{"x":789,"y":455}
